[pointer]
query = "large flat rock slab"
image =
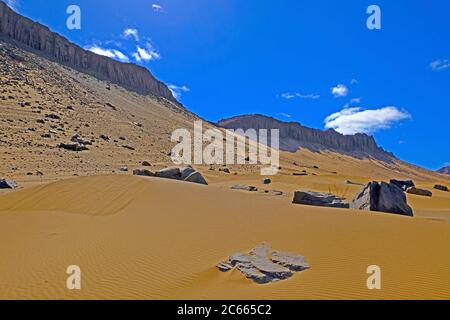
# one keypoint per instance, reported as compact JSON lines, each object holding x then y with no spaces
{"x":262,"y":265}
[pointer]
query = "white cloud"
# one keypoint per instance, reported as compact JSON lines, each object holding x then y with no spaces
{"x":110,"y":53}
{"x":439,"y":65}
{"x":339,"y":91}
{"x":294,"y":95}
{"x":353,"y":81}
{"x":130,"y":32}
{"x":284,"y":115}
{"x":178,"y":91}
{"x":356,"y":120}
{"x":146,"y":54}
{"x":157,"y":8}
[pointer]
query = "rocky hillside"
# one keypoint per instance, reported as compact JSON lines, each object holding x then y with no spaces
{"x":444,"y":170}
{"x":38,"y":38}
{"x":294,"y":136}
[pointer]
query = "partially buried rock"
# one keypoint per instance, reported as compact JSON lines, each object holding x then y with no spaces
{"x":403,"y":184}
{"x":169,"y":173}
{"x":319,"y":199}
{"x":7,"y":184}
{"x":441,"y":188}
{"x":196,"y":177}
{"x":146,"y":164}
{"x":143,"y":173}
{"x":267,"y":181}
{"x":262,"y":265}
{"x":419,"y":192}
{"x":382,"y":197}
{"x":244,"y":187}
{"x":73,"y":147}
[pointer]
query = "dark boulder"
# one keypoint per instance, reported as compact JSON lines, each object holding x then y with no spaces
{"x":419,"y":192}
{"x":441,"y":188}
{"x":382,"y":197}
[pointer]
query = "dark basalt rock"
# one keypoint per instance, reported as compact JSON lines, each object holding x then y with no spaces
{"x":382,"y":197}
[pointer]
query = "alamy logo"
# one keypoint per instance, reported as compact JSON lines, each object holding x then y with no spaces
{"x":74,"y":280}
{"x":374,"y":20}
{"x":228,"y":150}
{"x":74,"y":20}
{"x":374,"y":280}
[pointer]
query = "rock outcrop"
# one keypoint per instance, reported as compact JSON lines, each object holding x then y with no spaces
{"x":262,"y":265}
{"x":294,"y":136}
{"x":39,"y":39}
{"x":319,"y":199}
{"x":382,"y":197}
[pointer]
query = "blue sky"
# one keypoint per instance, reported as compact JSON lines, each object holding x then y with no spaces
{"x":314,"y":62}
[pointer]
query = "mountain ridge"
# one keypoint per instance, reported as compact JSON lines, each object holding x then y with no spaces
{"x":294,"y":136}
{"x":40,"y":39}
{"x":444,"y":170}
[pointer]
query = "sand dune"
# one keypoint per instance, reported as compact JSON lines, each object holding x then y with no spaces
{"x":148,"y":238}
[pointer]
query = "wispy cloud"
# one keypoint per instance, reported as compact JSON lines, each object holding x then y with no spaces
{"x":157,"y":8}
{"x":147,"y":53}
{"x":284,"y":115}
{"x":340,"y":90}
{"x":353,"y":81}
{"x":178,"y":91}
{"x":439,"y":65}
{"x":110,"y":53}
{"x":289,"y":96}
{"x":356,"y":120}
{"x":130,"y":32}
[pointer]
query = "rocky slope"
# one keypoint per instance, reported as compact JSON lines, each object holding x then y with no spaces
{"x":444,"y":170}
{"x":36,"y":37}
{"x":294,"y":136}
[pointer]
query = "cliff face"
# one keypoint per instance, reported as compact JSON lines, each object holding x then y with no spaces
{"x":294,"y":136}
{"x":41,"y":40}
{"x":445,"y":170}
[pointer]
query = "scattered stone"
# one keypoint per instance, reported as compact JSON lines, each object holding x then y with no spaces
{"x":441,"y":188}
{"x":146,"y":164}
{"x":319,"y":199}
{"x":267,"y":181}
{"x":73,"y":147}
{"x":299,"y":174}
{"x":353,"y":183}
{"x":143,"y":173}
{"x":263,"y":266}
{"x":110,"y":105}
{"x":244,"y":188}
{"x":104,"y":137}
{"x":125,"y":146}
{"x":382,"y":197}
{"x":403,"y":184}
{"x":7,"y":184}
{"x":77,"y":139}
{"x":419,"y":192}
{"x":225,"y":170}
{"x":123,"y":169}
{"x":53,"y":116}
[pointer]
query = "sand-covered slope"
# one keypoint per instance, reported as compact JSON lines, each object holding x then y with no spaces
{"x":148,"y":238}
